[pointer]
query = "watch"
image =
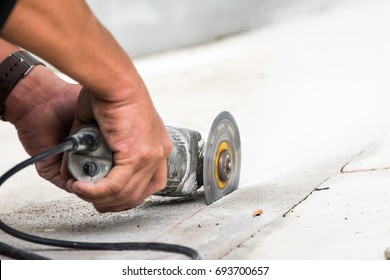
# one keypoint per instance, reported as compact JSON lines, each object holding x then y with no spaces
{"x":15,"y":67}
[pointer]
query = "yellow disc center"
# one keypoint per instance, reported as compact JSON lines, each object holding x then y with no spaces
{"x":222,"y":175}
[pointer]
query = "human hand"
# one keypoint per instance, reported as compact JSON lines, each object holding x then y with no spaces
{"x":41,"y":107}
{"x":117,"y":100}
{"x":140,"y":143}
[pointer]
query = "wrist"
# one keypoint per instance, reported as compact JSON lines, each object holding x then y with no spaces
{"x":13,"y":69}
{"x":28,"y":93}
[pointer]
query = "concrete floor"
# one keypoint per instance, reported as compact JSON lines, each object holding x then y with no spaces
{"x":310,"y":95}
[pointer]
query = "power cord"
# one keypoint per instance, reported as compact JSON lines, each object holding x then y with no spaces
{"x":73,"y":143}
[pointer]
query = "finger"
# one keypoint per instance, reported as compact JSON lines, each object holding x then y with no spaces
{"x":142,"y":188}
{"x":158,"y":181}
{"x":64,"y":166}
{"x":60,"y":181}
{"x":49,"y":170}
{"x":132,"y":192}
{"x":117,"y":207}
{"x":115,"y":181}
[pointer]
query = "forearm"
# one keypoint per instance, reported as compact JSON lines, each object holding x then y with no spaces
{"x":29,"y":93}
{"x":99,"y":63}
{"x":67,"y":35}
{"x":6,"y":49}
{"x":22,"y":95}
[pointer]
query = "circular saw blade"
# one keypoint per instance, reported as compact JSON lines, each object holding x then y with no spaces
{"x":222,"y":158}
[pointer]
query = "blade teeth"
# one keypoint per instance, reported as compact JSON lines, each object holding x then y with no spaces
{"x":224,"y":128}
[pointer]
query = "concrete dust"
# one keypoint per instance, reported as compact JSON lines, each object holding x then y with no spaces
{"x":78,"y":218}
{"x":302,"y":91}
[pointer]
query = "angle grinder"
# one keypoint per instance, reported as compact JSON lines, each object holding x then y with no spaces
{"x":193,"y":163}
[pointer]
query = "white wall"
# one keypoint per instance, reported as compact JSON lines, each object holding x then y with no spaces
{"x":145,"y":26}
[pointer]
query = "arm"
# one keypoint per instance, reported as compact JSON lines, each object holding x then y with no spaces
{"x":45,"y":103}
{"x":67,"y":35}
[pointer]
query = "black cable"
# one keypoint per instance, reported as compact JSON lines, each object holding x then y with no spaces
{"x":16,"y":253}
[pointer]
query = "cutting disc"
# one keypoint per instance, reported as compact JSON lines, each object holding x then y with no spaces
{"x":222,"y":158}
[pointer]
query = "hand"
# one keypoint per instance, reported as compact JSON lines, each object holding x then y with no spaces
{"x":42,"y":107}
{"x":117,"y":100}
{"x":137,"y":136}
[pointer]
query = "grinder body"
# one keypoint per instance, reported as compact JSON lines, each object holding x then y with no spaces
{"x":193,"y":162}
{"x":184,"y":164}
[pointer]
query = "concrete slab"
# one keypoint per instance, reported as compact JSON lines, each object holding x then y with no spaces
{"x":374,"y":157}
{"x":213,"y":230}
{"x":27,"y":187}
{"x":308,"y":95}
{"x":347,"y":218}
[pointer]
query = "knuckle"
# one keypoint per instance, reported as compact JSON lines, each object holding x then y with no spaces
{"x":145,"y":153}
{"x":159,"y":154}
{"x":43,"y":171}
{"x":152,"y":153}
{"x":148,"y":153}
{"x":168,"y":147}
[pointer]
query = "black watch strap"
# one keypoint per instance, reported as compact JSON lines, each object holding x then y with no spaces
{"x":15,"y":67}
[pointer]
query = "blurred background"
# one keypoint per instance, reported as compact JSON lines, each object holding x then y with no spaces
{"x":146,"y":26}
{"x":305,"y":79}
